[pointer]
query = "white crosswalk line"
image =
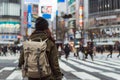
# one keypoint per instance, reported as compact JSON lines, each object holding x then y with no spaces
{"x":10,"y":57}
{"x":83,"y":66}
{"x":112,"y":75}
{"x":64,"y":78}
{"x":7,"y":68}
{"x":104,"y":64}
{"x":110,"y":62}
{"x":94,"y":65}
{"x":16,"y":61}
{"x":65,"y":67}
{"x":89,"y":66}
{"x":84,"y":76}
{"x":16,"y":75}
{"x":115,"y":60}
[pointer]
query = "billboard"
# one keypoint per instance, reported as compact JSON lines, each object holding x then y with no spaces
{"x":46,"y":11}
{"x":61,"y":0}
{"x":104,"y":20}
{"x":34,"y":12}
{"x":25,"y":17}
{"x":29,"y":16}
{"x":35,"y":9}
{"x":31,"y":1}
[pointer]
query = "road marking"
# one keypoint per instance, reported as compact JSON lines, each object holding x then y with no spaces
{"x":112,"y":75}
{"x":16,"y":75}
{"x":110,"y":62}
{"x":16,"y":61}
{"x":101,"y":63}
{"x":83,"y":66}
{"x":85,"y":76}
{"x":7,"y":68}
{"x":9,"y":57}
{"x":115,"y":60}
{"x":64,"y":78}
{"x":94,"y":65}
{"x":65,"y":67}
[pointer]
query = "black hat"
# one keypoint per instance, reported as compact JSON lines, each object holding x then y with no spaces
{"x":41,"y":24}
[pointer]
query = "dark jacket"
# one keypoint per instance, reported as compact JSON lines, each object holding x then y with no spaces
{"x":67,"y":49}
{"x":51,"y":53}
{"x":81,"y":48}
{"x":89,"y":49}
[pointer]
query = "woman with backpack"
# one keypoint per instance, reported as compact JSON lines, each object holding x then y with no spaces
{"x":42,"y":31}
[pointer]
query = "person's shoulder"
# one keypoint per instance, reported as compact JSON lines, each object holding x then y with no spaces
{"x":50,"y":42}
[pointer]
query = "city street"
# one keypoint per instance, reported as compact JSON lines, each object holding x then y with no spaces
{"x":38,"y":26}
{"x":73,"y":69}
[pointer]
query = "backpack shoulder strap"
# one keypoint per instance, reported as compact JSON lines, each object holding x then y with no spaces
{"x":45,"y":40}
{"x":40,"y":39}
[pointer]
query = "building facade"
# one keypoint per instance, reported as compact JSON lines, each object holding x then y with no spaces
{"x":72,"y":21}
{"x":104,"y":21}
{"x":9,"y":21}
{"x":79,"y":11}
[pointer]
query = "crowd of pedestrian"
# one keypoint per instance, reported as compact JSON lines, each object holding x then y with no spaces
{"x":90,"y":50}
{"x":9,"y":49}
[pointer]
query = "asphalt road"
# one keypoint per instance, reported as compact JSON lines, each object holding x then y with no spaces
{"x":73,"y":68}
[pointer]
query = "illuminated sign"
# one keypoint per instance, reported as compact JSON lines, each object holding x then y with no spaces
{"x":61,"y":0}
{"x":31,"y":1}
{"x":46,"y":11}
{"x":29,"y":16}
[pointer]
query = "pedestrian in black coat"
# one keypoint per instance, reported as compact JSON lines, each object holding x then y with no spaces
{"x":110,"y":49}
{"x":89,"y":50}
{"x":67,"y":50}
{"x":118,"y":48}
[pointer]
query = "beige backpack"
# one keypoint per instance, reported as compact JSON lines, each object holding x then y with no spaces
{"x":36,"y":61}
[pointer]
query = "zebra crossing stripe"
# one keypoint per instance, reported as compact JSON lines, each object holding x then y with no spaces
{"x":110,"y":62}
{"x":65,"y":67}
{"x":64,"y":78}
{"x":82,"y":66}
{"x":16,"y":61}
{"x":112,"y":75}
{"x":16,"y":75}
{"x":84,"y":76}
{"x":116,"y":61}
{"x":7,"y":68}
{"x":94,"y":65}
{"x":104,"y":64}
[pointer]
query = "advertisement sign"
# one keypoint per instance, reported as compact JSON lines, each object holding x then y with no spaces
{"x":9,"y":27}
{"x":35,"y":9}
{"x":46,"y":11}
{"x":104,"y":20}
{"x":81,"y":15}
{"x":61,"y":0}
{"x":31,"y":1}
{"x":34,"y":12}
{"x":25,"y":17}
{"x":29,"y":16}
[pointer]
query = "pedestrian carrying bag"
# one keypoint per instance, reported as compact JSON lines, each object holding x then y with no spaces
{"x":36,"y":63}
